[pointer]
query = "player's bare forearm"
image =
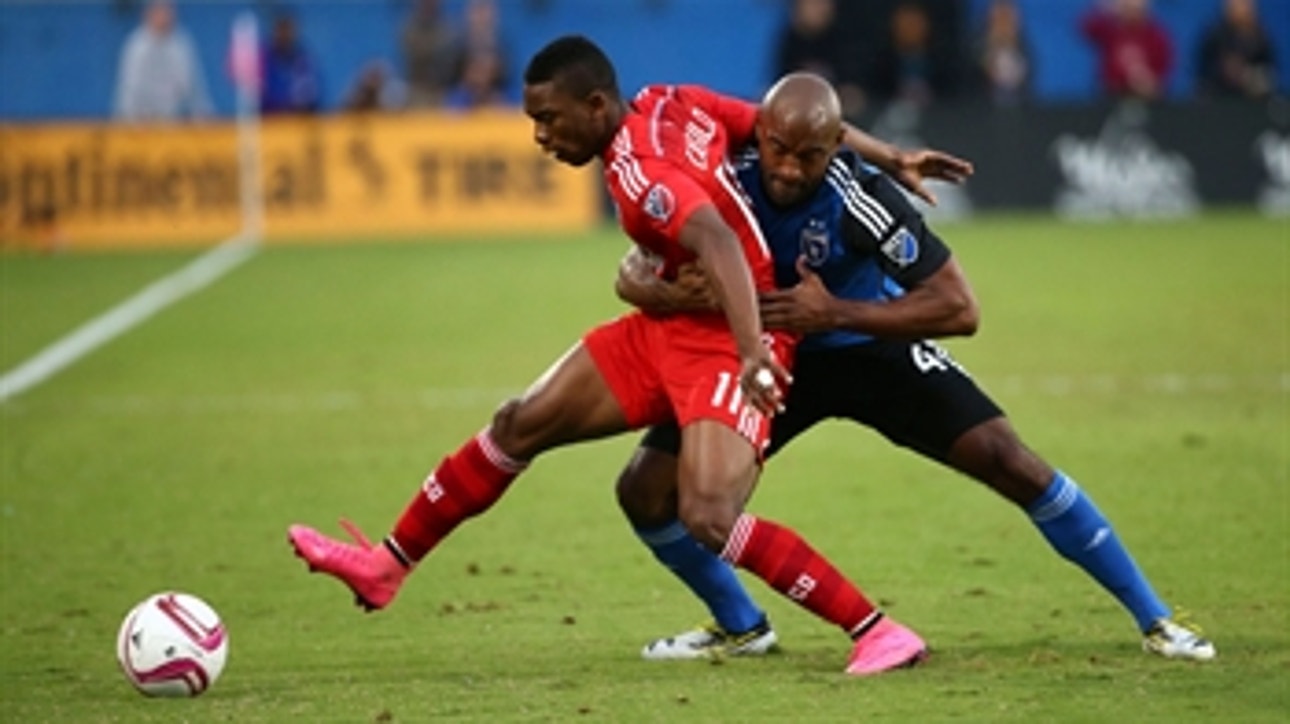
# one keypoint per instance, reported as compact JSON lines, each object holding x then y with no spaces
{"x":639,"y":285}
{"x":908,"y":168}
{"x":731,"y":285}
{"x":761,"y":377}
{"x":941,"y":306}
{"x":876,"y":151}
{"x":917,"y":315}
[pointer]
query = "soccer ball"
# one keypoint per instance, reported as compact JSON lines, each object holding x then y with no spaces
{"x":172,"y":644}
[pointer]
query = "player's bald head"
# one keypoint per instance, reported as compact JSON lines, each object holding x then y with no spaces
{"x":803,"y":103}
{"x":799,"y":128}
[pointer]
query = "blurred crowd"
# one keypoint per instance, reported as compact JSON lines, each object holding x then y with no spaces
{"x":908,"y":51}
{"x":920,"y":52}
{"x":449,"y":63}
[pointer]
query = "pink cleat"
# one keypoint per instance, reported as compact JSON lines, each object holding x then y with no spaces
{"x":886,"y":646}
{"x":371,"y":571}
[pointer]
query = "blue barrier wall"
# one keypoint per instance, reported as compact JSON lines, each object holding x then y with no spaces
{"x":58,"y":58}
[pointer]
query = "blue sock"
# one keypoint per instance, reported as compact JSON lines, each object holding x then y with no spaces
{"x":1079,"y":531}
{"x":709,"y":577}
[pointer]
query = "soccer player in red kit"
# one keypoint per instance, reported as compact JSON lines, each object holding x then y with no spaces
{"x":717,"y":374}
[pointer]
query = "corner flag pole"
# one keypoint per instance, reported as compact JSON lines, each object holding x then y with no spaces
{"x":244,"y":64}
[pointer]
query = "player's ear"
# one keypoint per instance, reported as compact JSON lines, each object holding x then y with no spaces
{"x":597,"y":101}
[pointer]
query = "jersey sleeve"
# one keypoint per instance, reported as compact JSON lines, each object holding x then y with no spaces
{"x":878,"y":220}
{"x":737,"y":116}
{"x":660,"y":203}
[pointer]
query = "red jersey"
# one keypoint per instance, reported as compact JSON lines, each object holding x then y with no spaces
{"x":669,"y":158}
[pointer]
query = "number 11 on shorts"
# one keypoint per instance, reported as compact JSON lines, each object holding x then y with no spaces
{"x":729,"y":399}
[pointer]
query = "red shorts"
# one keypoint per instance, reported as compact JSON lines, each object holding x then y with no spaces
{"x":681,"y":368}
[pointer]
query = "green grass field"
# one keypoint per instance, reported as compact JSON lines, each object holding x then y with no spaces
{"x":1150,"y":361}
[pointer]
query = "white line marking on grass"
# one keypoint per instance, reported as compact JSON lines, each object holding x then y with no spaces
{"x":116,"y":321}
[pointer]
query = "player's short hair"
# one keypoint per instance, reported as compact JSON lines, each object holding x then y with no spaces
{"x":577,"y":66}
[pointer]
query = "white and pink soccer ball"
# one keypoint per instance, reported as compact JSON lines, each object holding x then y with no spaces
{"x":172,"y":644}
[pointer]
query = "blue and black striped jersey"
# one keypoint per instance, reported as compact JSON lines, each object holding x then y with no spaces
{"x":858,"y":232}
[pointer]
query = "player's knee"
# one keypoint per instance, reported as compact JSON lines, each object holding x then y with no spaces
{"x":643,"y":509}
{"x":709,"y":522}
{"x":1020,"y":475}
{"x":646,"y":488}
{"x":1012,"y":460}
{"x":514,"y":432}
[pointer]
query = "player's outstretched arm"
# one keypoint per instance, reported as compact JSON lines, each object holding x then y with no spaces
{"x":762,"y":376}
{"x":639,"y":285}
{"x":909,"y":168}
{"x":940,"y":306}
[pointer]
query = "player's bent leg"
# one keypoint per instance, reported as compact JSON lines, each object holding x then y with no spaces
{"x":646,"y":487}
{"x":1072,"y":524}
{"x":714,"y":484}
{"x":647,"y":495}
{"x":464,"y":484}
{"x":716,"y":473}
{"x":569,"y":402}
{"x":990,"y":452}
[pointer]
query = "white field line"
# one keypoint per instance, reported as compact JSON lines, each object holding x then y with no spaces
{"x":488,"y":398}
{"x":120,"y":319}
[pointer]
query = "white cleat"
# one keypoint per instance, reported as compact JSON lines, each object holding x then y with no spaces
{"x":1174,"y":640}
{"x":710,"y":641}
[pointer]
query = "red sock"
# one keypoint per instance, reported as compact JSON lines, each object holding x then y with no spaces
{"x":466,"y":483}
{"x":782,"y":559}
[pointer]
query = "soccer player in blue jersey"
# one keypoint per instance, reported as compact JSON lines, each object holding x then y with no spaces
{"x":870,"y":285}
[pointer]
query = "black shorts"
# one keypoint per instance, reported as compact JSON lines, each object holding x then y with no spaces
{"x":913,"y":393}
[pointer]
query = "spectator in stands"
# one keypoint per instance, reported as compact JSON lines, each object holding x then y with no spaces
{"x":1135,"y":52}
{"x":812,"y":41}
{"x":910,"y":67}
{"x":1236,"y":57}
{"x":482,"y":85}
{"x":430,"y":49}
{"x":159,"y":76}
{"x":1002,"y":54}
{"x":291,"y":80}
{"x":377,"y":88}
{"x":481,"y":69}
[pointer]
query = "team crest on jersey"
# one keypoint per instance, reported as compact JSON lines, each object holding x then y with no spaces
{"x":901,"y":248}
{"x":814,"y":242}
{"x":660,"y":203}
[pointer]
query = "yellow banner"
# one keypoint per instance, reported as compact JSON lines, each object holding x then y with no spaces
{"x":340,"y":177}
